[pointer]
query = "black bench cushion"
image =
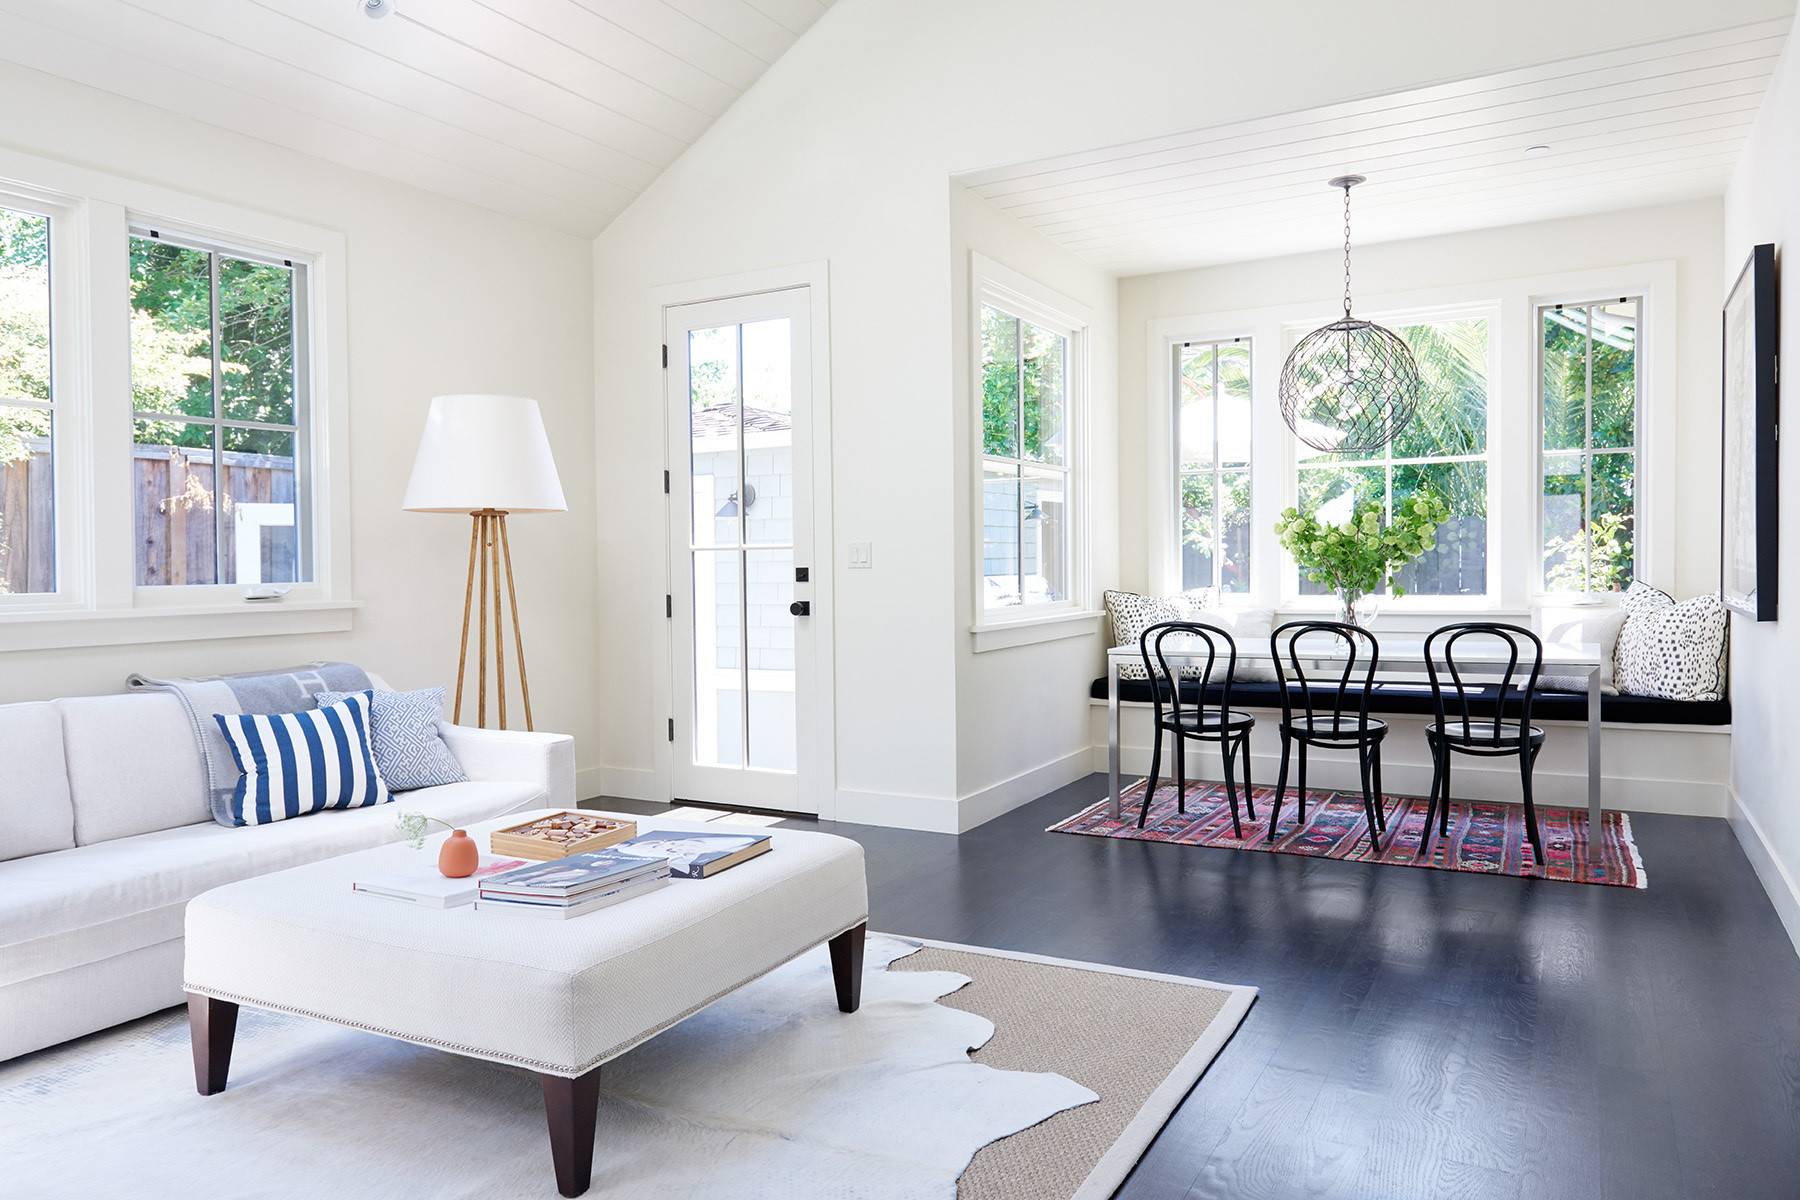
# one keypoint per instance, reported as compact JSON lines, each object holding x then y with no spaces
{"x":1415,"y":699}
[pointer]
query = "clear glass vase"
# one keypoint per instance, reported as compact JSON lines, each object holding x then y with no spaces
{"x":1357,"y":608}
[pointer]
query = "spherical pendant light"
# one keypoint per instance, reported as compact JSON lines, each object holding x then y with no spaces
{"x":1352,"y":385}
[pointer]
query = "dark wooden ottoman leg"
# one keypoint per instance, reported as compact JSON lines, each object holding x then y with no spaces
{"x":211,"y":1025}
{"x":571,"y":1106}
{"x":846,"y":967}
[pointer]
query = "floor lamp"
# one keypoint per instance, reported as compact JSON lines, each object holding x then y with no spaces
{"x":486,"y":456}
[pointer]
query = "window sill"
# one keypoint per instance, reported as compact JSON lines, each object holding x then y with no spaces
{"x":57,"y":630}
{"x":1028,"y":631}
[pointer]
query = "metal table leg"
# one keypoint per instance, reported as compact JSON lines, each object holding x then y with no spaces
{"x":1593,"y":763}
{"x":1112,"y":738}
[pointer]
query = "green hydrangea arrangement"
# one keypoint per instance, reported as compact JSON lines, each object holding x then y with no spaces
{"x":1355,"y":558}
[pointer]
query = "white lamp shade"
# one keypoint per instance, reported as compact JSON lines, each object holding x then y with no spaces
{"x":484,"y":452}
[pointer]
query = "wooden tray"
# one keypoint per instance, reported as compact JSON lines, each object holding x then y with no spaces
{"x":560,"y":834}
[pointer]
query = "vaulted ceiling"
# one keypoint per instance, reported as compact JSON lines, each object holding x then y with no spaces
{"x":1645,"y":125}
{"x":558,"y":111}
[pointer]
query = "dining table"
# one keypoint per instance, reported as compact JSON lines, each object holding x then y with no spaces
{"x":1401,"y":657}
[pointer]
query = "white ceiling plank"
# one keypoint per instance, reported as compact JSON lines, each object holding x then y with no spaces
{"x":1472,"y":118}
{"x":740,"y":24}
{"x":1540,"y":119}
{"x":1635,"y":126}
{"x":501,"y":83}
{"x":556,"y":111}
{"x":1623,"y":184}
{"x":1763,"y":39}
{"x":38,"y":46}
{"x":795,"y":16}
{"x":1305,"y":177}
{"x":338,"y":59}
{"x":131,"y":30}
{"x":588,"y":33}
{"x":482,"y":31}
{"x":672,"y":30}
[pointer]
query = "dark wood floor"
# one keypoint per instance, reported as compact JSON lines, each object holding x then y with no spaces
{"x":1418,"y":1033}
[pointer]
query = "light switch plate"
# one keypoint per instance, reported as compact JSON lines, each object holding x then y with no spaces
{"x":862,"y":556}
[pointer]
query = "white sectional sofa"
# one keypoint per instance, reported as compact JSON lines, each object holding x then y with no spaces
{"x":105,"y":836}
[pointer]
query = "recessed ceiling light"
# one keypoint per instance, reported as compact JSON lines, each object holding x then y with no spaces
{"x":375,"y":9}
{"x":1534,"y":151}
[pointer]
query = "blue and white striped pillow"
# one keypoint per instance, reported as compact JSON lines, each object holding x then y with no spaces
{"x":301,"y":762}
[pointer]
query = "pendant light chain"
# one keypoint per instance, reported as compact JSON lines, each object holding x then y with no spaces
{"x":1350,"y":386}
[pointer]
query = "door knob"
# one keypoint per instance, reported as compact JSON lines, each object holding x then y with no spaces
{"x":801,"y":608}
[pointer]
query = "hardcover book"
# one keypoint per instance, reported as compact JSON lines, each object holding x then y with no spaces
{"x":427,"y":887}
{"x":696,"y":855}
{"x":587,"y":902}
{"x":572,"y":875}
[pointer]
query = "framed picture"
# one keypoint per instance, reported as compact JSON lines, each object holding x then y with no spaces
{"x":1749,"y":477}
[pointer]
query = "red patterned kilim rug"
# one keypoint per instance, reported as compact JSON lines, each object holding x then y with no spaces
{"x":1484,"y":837}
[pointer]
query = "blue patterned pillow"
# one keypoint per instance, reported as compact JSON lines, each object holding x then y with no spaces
{"x":300,"y":762}
{"x":408,"y":747}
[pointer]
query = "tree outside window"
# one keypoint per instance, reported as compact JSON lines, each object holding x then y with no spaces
{"x":1589,"y":389}
{"x":1443,"y":449}
{"x":1213,"y":416}
{"x":1025,"y":502}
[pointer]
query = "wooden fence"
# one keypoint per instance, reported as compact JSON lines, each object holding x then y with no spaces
{"x":173,"y":532}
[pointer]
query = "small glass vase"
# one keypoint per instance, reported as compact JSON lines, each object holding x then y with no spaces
{"x":1357,"y":608}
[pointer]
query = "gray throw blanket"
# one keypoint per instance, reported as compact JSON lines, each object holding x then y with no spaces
{"x":289,"y":689}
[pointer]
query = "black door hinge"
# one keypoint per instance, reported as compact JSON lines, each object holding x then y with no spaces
{"x":671,"y":729}
{"x":665,"y":356}
{"x":669,"y":605}
{"x":665,"y":483}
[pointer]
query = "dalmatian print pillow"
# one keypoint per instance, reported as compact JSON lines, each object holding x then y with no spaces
{"x":1130,"y":614}
{"x":1673,"y":650}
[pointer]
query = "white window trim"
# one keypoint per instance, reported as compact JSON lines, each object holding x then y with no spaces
{"x":97,"y":602}
{"x":1653,"y":285}
{"x":1513,"y":417}
{"x":1174,"y":465}
{"x":1001,"y":287}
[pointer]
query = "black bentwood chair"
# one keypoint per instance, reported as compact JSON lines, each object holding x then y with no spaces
{"x":1474,"y":731}
{"x":1197,"y":722}
{"x":1334,"y":717}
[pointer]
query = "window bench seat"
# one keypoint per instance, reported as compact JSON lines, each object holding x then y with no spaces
{"x":1414,"y":699}
{"x":1664,"y":756}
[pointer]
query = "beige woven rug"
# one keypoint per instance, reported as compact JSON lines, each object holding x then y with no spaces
{"x":1065,"y":1017}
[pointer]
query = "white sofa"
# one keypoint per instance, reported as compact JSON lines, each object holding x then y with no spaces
{"x":105,"y":836}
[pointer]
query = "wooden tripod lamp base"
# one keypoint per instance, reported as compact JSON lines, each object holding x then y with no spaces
{"x":488,"y":456}
{"x":488,"y":550}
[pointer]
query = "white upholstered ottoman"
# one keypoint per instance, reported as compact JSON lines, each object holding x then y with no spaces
{"x":558,"y":997}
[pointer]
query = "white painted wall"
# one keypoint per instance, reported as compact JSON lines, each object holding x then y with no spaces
{"x":1685,"y":233}
{"x":840,"y":153}
{"x":1763,"y":205}
{"x":1021,"y":711}
{"x":443,"y":297}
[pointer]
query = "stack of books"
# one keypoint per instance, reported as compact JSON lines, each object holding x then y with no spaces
{"x":569,"y":887}
{"x":424,"y":885}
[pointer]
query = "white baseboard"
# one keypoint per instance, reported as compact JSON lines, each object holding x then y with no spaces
{"x":932,"y":814}
{"x":630,"y":783}
{"x":1783,"y":890}
{"x":989,"y":802}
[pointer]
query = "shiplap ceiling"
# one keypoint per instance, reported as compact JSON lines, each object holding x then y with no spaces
{"x":558,"y":111}
{"x":1626,"y":128}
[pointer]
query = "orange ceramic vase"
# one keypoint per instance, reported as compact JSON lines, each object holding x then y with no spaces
{"x":459,"y":857}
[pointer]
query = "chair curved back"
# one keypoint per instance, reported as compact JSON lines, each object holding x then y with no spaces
{"x":1346,"y":698}
{"x":1208,"y":638}
{"x":1522,"y":648}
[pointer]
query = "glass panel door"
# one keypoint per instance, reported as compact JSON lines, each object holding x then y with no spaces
{"x":740,"y":647}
